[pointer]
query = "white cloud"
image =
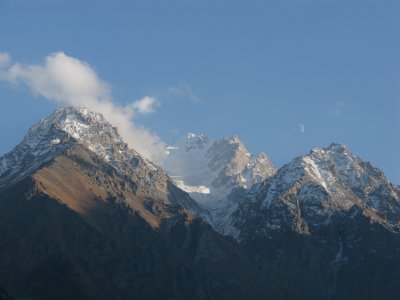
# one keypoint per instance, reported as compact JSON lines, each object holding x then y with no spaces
{"x":302,"y":128}
{"x":62,"y":78}
{"x":70,"y":81}
{"x":337,"y":108}
{"x":183,"y":90}
{"x":146,"y":105}
{"x":5,"y":59}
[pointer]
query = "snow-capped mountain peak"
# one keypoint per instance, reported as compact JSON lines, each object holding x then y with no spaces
{"x":235,"y":140}
{"x":61,"y":130}
{"x":336,"y":163}
{"x":313,"y":187}
{"x":85,"y":126}
{"x":218,"y":165}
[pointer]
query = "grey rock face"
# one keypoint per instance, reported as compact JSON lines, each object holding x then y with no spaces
{"x":235,"y":166}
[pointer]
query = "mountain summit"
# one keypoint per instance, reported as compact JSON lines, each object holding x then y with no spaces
{"x":314,"y":187}
{"x":220,"y":165}
{"x":60,"y":131}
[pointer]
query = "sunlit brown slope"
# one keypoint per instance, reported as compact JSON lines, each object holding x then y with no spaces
{"x":76,"y":181}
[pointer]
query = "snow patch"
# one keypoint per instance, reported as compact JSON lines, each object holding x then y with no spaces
{"x":55,"y":142}
{"x":192,"y":189}
{"x":172,"y":148}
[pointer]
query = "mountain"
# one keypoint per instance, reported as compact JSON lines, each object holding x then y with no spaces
{"x":327,"y":224}
{"x":214,"y":173}
{"x":82,"y":216}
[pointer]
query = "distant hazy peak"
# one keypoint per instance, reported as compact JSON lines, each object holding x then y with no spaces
{"x":194,"y":141}
{"x":211,"y":170}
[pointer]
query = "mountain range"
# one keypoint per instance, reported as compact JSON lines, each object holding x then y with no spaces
{"x":83,"y":216}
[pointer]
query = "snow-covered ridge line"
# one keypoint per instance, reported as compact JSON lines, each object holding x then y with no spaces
{"x":65,"y":127}
{"x":305,"y":193}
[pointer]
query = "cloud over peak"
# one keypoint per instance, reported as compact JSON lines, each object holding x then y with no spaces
{"x":70,"y":81}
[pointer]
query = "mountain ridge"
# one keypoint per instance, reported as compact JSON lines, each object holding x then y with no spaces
{"x":74,"y":197}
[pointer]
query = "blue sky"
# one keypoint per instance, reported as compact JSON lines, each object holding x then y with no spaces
{"x":261,"y":69}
